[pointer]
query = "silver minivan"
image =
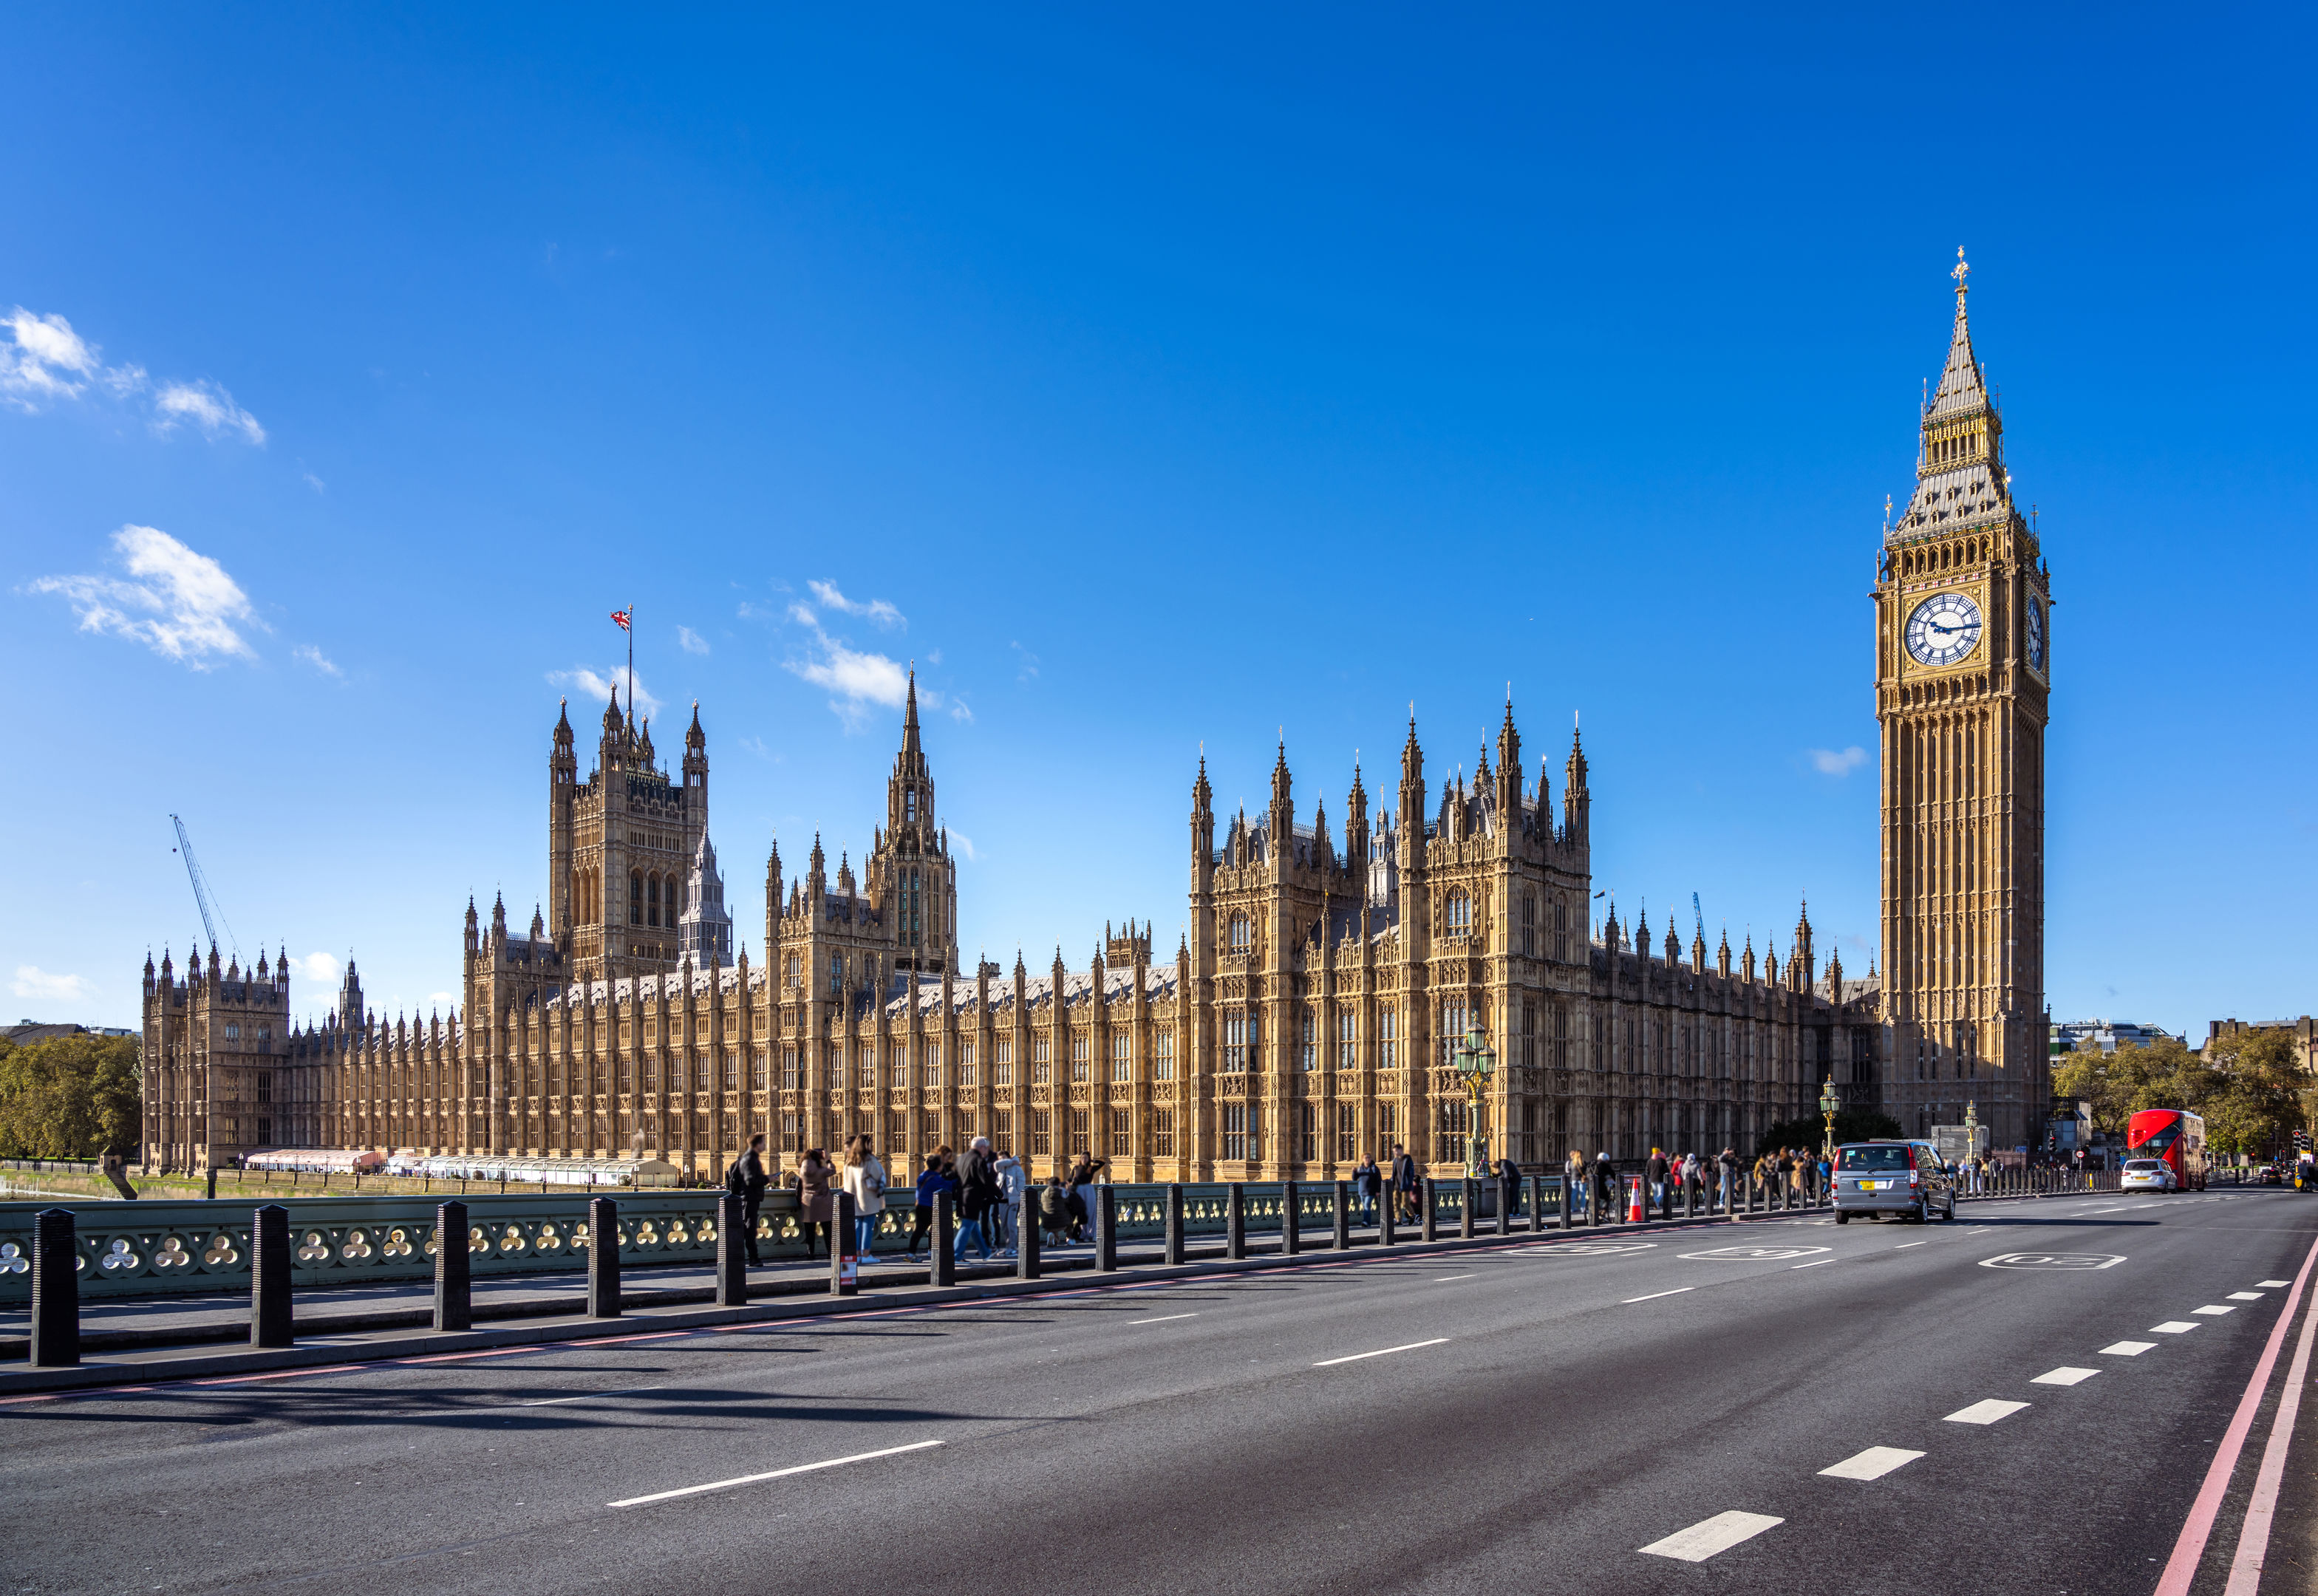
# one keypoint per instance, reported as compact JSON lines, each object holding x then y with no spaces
{"x":1892,"y":1178}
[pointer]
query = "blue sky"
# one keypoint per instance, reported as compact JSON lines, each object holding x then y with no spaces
{"x":1195,"y":377}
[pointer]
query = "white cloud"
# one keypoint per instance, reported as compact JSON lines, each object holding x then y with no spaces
{"x":317,"y":659}
{"x":44,"y":361}
{"x":208,"y":406}
{"x":1829,"y":762}
{"x":877,"y":610}
{"x":444,"y":1000}
{"x":32,"y":982}
{"x":691,"y":641}
{"x":756,"y":745}
{"x":181,"y":605}
{"x":1027,"y":660}
{"x":962,"y":843}
{"x":319,"y":968}
{"x":315,"y":483}
{"x":598,"y":685}
{"x":858,"y":679}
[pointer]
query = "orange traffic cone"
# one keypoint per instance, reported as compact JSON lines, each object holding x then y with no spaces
{"x":1634,"y":1214}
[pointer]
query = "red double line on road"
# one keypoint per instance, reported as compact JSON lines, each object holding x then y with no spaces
{"x":2189,"y":1550}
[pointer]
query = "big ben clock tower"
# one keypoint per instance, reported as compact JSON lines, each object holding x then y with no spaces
{"x":1963,"y":669}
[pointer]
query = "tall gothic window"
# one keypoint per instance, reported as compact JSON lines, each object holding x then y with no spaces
{"x":1348,"y":1038}
{"x":1238,"y":936}
{"x":1308,"y":1045}
{"x":1460,"y":914}
{"x":1388,"y":1038}
{"x":652,"y":901}
{"x":1453,"y":1032}
{"x":1236,"y":1044}
{"x":1529,"y":924}
{"x":636,"y":897}
{"x":1162,"y":1055}
{"x":1079,"y":1048}
{"x":1122,"y":1056}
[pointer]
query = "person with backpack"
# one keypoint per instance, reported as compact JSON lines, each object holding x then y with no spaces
{"x":1054,"y":1210}
{"x":865,"y":1180}
{"x":747,"y":1180}
{"x":978,"y":1194}
{"x":1010,"y":1178}
{"x":931,"y":1179}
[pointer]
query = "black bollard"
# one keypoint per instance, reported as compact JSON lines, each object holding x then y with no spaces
{"x":1234,"y":1220}
{"x":1291,"y":1226}
{"x":1174,"y":1240}
{"x":603,"y":1257}
{"x":55,"y":1290}
{"x":1428,"y":1204}
{"x":1689,"y":1200}
{"x":731,"y":1251}
{"x":1469,"y":1204}
{"x":1508,"y":1195}
{"x":1026,"y":1235}
{"x":269,"y":1321}
{"x":844,"y":1249}
{"x":213,"y":1191}
{"x":1106,"y":1229}
{"x":1388,"y":1216}
{"x":1566,"y":1196}
{"x":1343,"y":1239}
{"x":454,"y":1302}
{"x":945,"y":1257}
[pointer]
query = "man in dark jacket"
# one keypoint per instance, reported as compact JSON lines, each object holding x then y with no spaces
{"x":1403,"y":1181}
{"x":747,"y":1180}
{"x":978,"y":1193}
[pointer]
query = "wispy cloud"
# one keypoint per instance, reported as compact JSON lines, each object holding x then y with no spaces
{"x":599,"y":685}
{"x":443,"y":999}
{"x":691,"y":641}
{"x":1829,"y":762}
{"x":208,"y":406}
{"x":756,"y":745}
{"x":44,"y":361}
{"x":1025,"y":663}
{"x":32,"y":982}
{"x":315,"y":483}
{"x":320,"y":968}
{"x":181,"y":605}
{"x":857,"y":679}
{"x":320,"y":661}
{"x":877,"y":610}
{"x":962,"y":843}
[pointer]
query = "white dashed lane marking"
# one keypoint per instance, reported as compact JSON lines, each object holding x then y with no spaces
{"x":1872,"y":1464}
{"x":1717,"y":1534}
{"x":2215,"y":1309}
{"x":1985,"y":1413}
{"x":2064,"y":1376}
{"x":1162,"y":1319}
{"x":2126,"y":1349}
{"x":2173,"y":1327}
{"x":1654,"y":1296}
{"x":1379,"y":1352}
{"x":2273,"y":1282}
{"x":2245,"y":1296}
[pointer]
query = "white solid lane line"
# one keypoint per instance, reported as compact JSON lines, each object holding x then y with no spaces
{"x":2245,"y":1296}
{"x":2273,"y":1282}
{"x":1872,"y":1464}
{"x":2173,"y":1327}
{"x":1717,"y":1534}
{"x":1654,"y":1296}
{"x":2126,"y":1349}
{"x":1985,"y":1413}
{"x":2215,"y":1309}
{"x":1163,"y":1319}
{"x":1437,"y":1279}
{"x":776,"y":1473}
{"x":1813,"y":1264}
{"x":2064,"y":1376}
{"x":585,"y":1397}
{"x":1381,"y":1352}
{"x":1905,"y":1245}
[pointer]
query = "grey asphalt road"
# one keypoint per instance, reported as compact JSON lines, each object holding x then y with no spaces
{"x":1522,"y":1419}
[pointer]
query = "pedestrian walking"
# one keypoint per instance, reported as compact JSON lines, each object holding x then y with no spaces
{"x":1368,"y":1185}
{"x":1605,"y":1184}
{"x":1011,"y":1181}
{"x":1726,"y":1167}
{"x":1403,"y":1181}
{"x":930,"y":1180}
{"x":813,"y":1199}
{"x":864,"y":1181}
{"x":1575,"y":1179}
{"x":1657,"y":1172}
{"x":1083,"y":1171}
{"x":978,"y":1193}
{"x":747,"y":1180}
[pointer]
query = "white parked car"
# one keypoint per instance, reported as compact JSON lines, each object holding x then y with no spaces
{"x":2146,"y":1174}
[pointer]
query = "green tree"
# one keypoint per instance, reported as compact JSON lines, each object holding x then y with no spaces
{"x":2255,"y":1105}
{"x":70,"y":1096}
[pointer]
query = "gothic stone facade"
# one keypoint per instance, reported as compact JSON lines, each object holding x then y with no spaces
{"x":1308,"y":1017}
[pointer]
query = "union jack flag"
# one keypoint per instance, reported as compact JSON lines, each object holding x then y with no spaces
{"x":621,"y":616}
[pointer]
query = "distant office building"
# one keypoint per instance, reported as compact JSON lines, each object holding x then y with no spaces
{"x":25,"y":1032}
{"x":2071,"y":1036}
{"x":2305,"y":1032}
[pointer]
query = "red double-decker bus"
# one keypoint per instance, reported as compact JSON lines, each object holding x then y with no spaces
{"x":2174,"y":1136}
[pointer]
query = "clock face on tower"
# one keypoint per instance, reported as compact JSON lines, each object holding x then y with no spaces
{"x":1944,"y":630}
{"x":2036,"y":637}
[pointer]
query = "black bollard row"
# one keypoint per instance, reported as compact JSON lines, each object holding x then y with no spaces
{"x":1342,"y":1240}
{"x":454,"y":1303}
{"x":1106,"y":1229}
{"x":731,"y":1251}
{"x":269,"y":1321}
{"x":1428,"y":1209}
{"x":1234,"y":1220}
{"x":1026,"y":1235}
{"x":55,"y":1290}
{"x":1291,"y":1225}
{"x":844,"y":1249}
{"x":1174,"y":1239}
{"x":1468,"y":1199}
{"x":603,"y":1257}
{"x":1388,"y":1216}
{"x":944,"y":1262}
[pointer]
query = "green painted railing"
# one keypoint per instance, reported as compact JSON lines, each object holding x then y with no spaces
{"x":127,"y":1249}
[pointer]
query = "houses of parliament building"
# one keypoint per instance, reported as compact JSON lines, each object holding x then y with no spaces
{"x":1310,"y":1014}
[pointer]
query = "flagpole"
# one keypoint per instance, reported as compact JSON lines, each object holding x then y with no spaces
{"x":631,"y":630}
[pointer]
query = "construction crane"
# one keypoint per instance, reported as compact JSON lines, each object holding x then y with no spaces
{"x":212,"y":916}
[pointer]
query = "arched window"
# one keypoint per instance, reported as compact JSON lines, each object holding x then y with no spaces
{"x":636,"y":897}
{"x":1238,"y":938}
{"x":1460,"y":914}
{"x":652,"y":901}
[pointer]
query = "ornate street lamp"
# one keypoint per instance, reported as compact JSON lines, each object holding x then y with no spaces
{"x":1477,"y":1061}
{"x":1829,"y":1105}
